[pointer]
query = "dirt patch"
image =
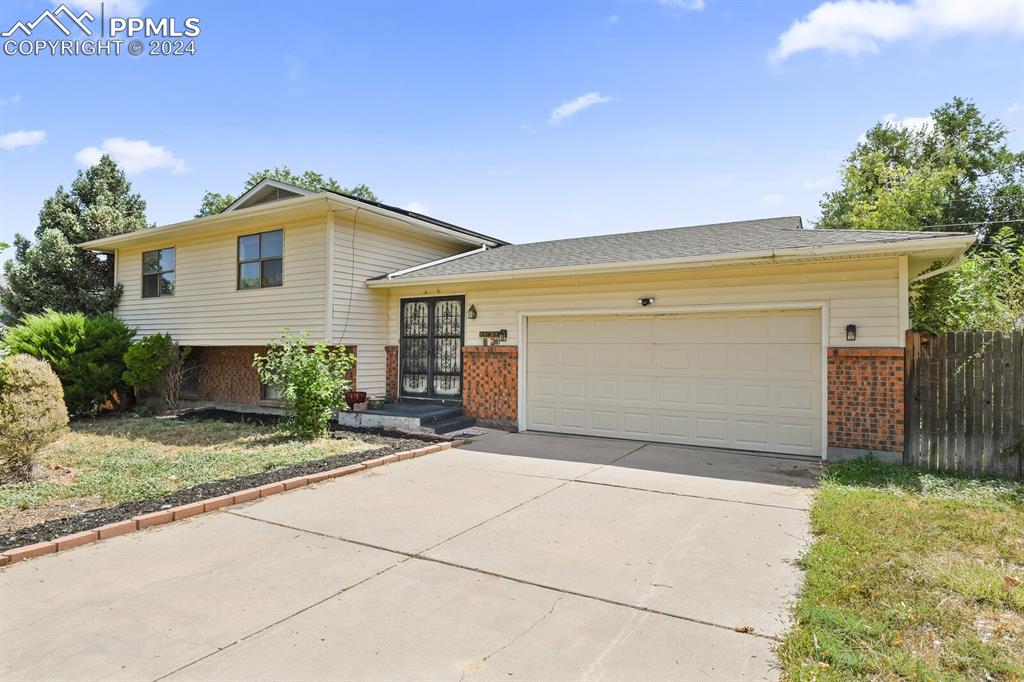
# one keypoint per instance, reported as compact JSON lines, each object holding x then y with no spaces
{"x":58,"y":509}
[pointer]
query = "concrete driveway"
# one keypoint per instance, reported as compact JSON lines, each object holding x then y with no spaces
{"x":518,"y":557}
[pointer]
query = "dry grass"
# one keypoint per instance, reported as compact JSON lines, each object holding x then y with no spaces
{"x":913,"y":575}
{"x":114,"y":460}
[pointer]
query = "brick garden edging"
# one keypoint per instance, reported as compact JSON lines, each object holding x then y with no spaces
{"x":191,"y":509}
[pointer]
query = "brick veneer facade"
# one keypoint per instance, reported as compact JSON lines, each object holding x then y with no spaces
{"x":490,"y":383}
{"x":391,"y":372}
{"x":865,"y":398}
{"x":225,"y":373}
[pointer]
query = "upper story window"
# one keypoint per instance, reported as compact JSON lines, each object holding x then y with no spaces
{"x":158,"y":273}
{"x":260,"y":260}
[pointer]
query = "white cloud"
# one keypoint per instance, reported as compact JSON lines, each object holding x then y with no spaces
{"x":113,"y":8}
{"x":772,"y":199}
{"x":855,"y":27}
{"x":909,"y":122}
{"x":688,"y":5}
{"x":501,"y":171}
{"x":135,"y":156}
{"x":571,"y":108}
{"x":416,"y":207}
{"x":613,"y":19}
{"x":1015,"y":108}
{"x":22,"y":138}
{"x":11,"y":101}
{"x":820,"y":183}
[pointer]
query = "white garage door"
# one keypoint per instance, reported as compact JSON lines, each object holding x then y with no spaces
{"x":750,"y":381}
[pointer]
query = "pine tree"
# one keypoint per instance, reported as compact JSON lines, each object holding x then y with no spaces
{"x":52,"y":273}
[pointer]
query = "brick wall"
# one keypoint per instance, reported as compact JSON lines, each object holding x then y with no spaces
{"x":865,"y":398}
{"x":225,"y":373}
{"x":391,"y":372}
{"x":490,"y":382}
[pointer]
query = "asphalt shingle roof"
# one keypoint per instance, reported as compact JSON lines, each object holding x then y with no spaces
{"x":679,"y":242}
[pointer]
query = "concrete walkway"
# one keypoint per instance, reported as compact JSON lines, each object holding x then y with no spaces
{"x":520,"y":556}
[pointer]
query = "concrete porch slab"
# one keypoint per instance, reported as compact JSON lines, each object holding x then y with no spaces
{"x":142,"y":605}
{"x":408,"y":506}
{"x":425,"y":621}
{"x":721,"y":474}
{"x":719,"y":562}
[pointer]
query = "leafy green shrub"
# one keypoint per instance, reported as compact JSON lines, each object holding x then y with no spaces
{"x":32,"y":412}
{"x":86,"y":353}
{"x":157,"y":364}
{"x":145,"y":361}
{"x":312,"y":380}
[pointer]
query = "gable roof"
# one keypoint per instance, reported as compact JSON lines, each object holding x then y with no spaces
{"x":265,"y":191}
{"x":268,"y":190}
{"x":748,"y":239}
{"x":275,"y":204}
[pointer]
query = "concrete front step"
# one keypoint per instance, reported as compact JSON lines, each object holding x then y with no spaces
{"x":420,"y":417}
{"x":449,"y":425}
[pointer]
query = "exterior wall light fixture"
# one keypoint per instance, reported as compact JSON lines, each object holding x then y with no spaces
{"x":645,"y":301}
{"x":471,"y":313}
{"x":851,"y":332}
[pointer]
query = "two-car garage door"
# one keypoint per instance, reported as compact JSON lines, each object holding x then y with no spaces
{"x":749,"y":380}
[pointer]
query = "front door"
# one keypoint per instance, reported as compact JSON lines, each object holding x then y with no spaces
{"x":430,"y":354}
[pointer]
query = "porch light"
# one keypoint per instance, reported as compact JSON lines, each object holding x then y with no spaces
{"x":471,"y":313}
{"x":851,"y":332}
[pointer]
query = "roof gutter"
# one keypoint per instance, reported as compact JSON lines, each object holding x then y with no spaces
{"x":295,"y":205}
{"x":447,"y":259}
{"x":284,"y":207}
{"x":414,"y":222}
{"x":953,"y":264}
{"x":902,"y":246}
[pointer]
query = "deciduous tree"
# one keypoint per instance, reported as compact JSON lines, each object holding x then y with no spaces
{"x":214,"y":202}
{"x":954,"y":173}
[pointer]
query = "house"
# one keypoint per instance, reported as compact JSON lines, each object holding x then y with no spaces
{"x":755,"y":335}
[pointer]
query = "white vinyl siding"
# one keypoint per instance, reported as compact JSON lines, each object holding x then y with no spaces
{"x":207,"y":308}
{"x":865,"y":292}
{"x":360,"y":314}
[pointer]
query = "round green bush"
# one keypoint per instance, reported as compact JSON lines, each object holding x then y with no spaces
{"x":32,"y":412}
{"x":87,"y":353}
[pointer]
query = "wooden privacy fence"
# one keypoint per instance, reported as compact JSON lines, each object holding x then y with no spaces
{"x":965,"y":402}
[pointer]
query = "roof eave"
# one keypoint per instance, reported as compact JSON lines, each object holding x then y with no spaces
{"x":285,"y":207}
{"x":957,"y":245}
{"x":476,"y":240}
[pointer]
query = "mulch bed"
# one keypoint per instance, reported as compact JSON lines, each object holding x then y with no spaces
{"x":387,"y":442}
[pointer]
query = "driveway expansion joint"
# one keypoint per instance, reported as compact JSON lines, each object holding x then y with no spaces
{"x":739,"y":629}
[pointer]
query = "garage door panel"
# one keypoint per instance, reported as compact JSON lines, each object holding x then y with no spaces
{"x":604,"y":421}
{"x":673,"y":395}
{"x":542,"y":417}
{"x":637,"y":424}
{"x":674,"y":428}
{"x":755,"y":434}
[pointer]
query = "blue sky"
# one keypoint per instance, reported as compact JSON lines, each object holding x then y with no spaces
{"x":671,"y":113}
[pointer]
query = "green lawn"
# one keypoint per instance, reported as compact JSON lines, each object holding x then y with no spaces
{"x":912,"y":575}
{"x":119,"y":459}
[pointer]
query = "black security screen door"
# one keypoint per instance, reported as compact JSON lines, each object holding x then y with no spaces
{"x":431,"y":350}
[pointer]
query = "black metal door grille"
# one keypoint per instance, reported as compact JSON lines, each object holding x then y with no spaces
{"x":431,"y":348}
